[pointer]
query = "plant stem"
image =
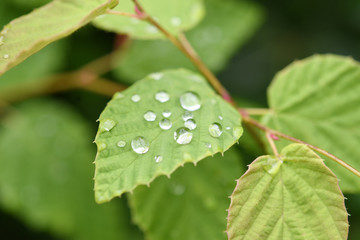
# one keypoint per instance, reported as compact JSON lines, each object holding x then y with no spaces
{"x":109,"y":11}
{"x":272,"y":145}
{"x":257,"y":111}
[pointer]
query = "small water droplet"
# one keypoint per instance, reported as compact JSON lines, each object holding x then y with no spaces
{"x":166,"y":113}
{"x":176,"y":21}
{"x":215,"y":130}
{"x":183,"y":135}
{"x":101,"y":146}
{"x":187,"y":115}
{"x":107,"y":125}
{"x":136,"y":98}
{"x":118,"y":95}
{"x":156,"y":76}
{"x":6,"y":56}
{"x":151,"y":29}
{"x":165,"y":124}
{"x":208,"y":145}
{"x":121,"y":144}
{"x":190,"y":101}
{"x":150,"y":116}
{"x":220,"y":117}
{"x":190,"y":124}
{"x":196,"y":78}
{"x":162,"y":96}
{"x":272,"y":166}
{"x":237,"y":132}
{"x":140,"y":145}
{"x":228,"y":128}
{"x":158,"y":158}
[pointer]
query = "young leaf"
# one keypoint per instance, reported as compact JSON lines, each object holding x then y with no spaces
{"x":192,"y":196}
{"x":142,"y":132}
{"x":28,"y":34}
{"x":227,"y":26}
{"x":317,"y":100}
{"x":174,"y":16}
{"x":296,"y":197}
{"x":46,"y":174}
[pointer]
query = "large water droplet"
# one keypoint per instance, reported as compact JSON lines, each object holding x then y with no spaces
{"x":215,"y":130}
{"x":166,"y":113}
{"x":158,"y":158}
{"x":150,"y":116}
{"x":165,"y":124}
{"x":156,"y":76}
{"x":183,"y":135}
{"x":121,"y":144}
{"x":187,"y":115}
{"x":162,"y":96}
{"x":140,"y":145}
{"x":190,"y":124}
{"x":107,"y":125}
{"x":136,"y":98}
{"x":190,"y":101}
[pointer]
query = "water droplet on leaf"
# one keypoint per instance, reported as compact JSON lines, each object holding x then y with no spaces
{"x":101,"y":146}
{"x":151,"y":29}
{"x":166,"y":113}
{"x":187,"y":115}
{"x":156,"y":76}
{"x":121,"y":143}
{"x":140,"y":145}
{"x":136,"y":98}
{"x":175,"y":21}
{"x":190,"y":124}
{"x":228,"y":128}
{"x":158,"y":158}
{"x":162,"y":96}
{"x":208,"y":145}
{"x":107,"y":125}
{"x":272,"y":166}
{"x":165,"y":124}
{"x":6,"y":56}
{"x":183,"y":135}
{"x":237,"y":132}
{"x":215,"y":130}
{"x":220,"y":117}
{"x":118,"y":95}
{"x":190,"y":101}
{"x":150,"y":116}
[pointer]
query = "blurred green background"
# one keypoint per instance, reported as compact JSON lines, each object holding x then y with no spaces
{"x":265,"y":36}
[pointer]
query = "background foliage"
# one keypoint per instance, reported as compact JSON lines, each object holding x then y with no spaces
{"x":281,"y":33}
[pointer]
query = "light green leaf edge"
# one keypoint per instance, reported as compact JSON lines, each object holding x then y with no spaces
{"x":174,"y":16}
{"x":296,"y":198}
{"x":28,"y":34}
{"x":317,"y":100}
{"x":120,"y":170}
{"x":193,"y":195}
{"x":226,"y":27}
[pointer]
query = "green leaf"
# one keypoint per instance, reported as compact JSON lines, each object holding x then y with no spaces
{"x":226,"y":27}
{"x":317,"y":100}
{"x":174,"y":16}
{"x":120,"y":169}
{"x":30,"y":75}
{"x":296,"y":197}
{"x":193,"y":195}
{"x":28,"y":34}
{"x":46,"y":174}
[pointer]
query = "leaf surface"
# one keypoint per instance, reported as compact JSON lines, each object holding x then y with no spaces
{"x":174,"y":16}
{"x":317,"y":100}
{"x":227,"y":26}
{"x":192,"y":196}
{"x":298,"y":198}
{"x":28,"y":34}
{"x":121,"y":165}
{"x":46,"y":174}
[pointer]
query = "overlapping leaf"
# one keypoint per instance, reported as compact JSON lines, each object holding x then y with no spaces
{"x":317,"y":100}
{"x":227,"y":26}
{"x":119,"y":168}
{"x":296,"y":197}
{"x":191,"y":205}
{"x":175,"y":16}
{"x":28,"y":34}
{"x":46,"y":175}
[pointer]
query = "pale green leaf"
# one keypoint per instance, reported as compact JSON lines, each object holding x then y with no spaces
{"x":28,"y":34}
{"x":317,"y":100}
{"x":121,"y":169}
{"x":192,"y":196}
{"x":296,"y":198}
{"x":174,"y":16}
{"x":46,"y":174}
{"x":227,"y":26}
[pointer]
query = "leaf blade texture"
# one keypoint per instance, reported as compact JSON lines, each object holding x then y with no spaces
{"x":130,"y":139}
{"x":298,"y":198}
